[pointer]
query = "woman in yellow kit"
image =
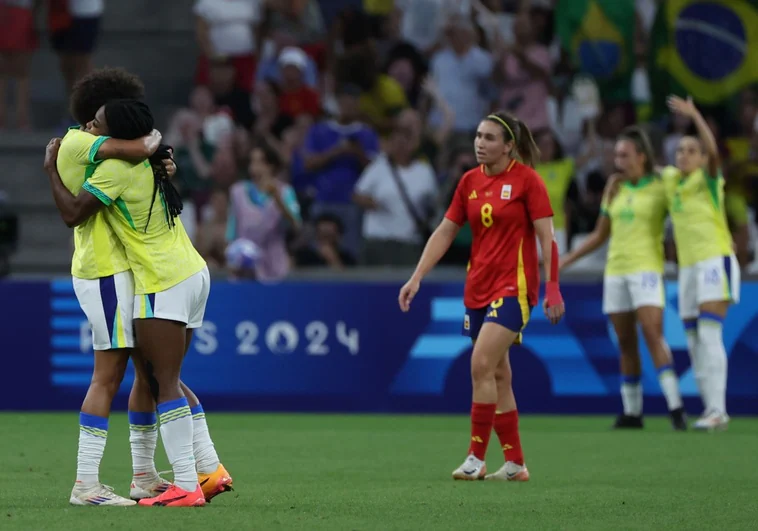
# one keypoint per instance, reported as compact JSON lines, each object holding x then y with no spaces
{"x":709,"y":276}
{"x":632,"y":216}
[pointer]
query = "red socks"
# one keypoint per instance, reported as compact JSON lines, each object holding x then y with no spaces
{"x":482,"y":417}
{"x":506,"y":427}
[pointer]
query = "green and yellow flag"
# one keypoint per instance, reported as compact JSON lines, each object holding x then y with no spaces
{"x":599,"y":36}
{"x":704,"y":48}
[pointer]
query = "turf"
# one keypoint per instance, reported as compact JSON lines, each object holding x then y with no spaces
{"x":316,"y":472}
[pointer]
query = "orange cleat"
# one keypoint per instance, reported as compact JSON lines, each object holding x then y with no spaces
{"x":176,"y":497}
{"x":215,"y":483}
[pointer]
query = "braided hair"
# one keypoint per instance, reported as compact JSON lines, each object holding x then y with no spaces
{"x":132,"y":119}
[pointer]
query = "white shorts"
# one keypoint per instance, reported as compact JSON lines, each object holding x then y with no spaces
{"x":108,"y":303}
{"x":715,"y":279}
{"x":626,"y":293}
{"x":184,"y":302}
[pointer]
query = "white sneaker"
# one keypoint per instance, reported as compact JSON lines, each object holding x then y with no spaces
{"x":510,"y":471}
{"x":98,"y":494}
{"x":148,"y":488}
{"x":471,"y":469}
{"x":712,"y":420}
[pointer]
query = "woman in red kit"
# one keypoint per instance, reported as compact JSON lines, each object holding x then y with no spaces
{"x":506,"y":204}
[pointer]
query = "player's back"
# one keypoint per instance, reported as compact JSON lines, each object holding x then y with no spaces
{"x":97,"y":251}
{"x":160,"y":256}
{"x":696,"y":204}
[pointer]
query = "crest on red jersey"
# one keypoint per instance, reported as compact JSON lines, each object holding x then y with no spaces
{"x":505,"y":193}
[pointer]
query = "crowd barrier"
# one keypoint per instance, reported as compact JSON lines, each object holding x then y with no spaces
{"x":346,"y":347}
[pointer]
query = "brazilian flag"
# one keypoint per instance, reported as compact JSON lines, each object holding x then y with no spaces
{"x":599,"y":36}
{"x":704,"y":48}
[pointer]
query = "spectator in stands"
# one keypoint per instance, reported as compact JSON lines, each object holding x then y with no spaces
{"x":17,"y":42}
{"x":462,"y":159}
{"x":398,"y":193}
{"x":461,"y":71}
{"x":496,"y":22}
{"x":296,"y":97}
{"x":678,"y":126}
{"x":326,"y":250}
{"x":221,"y":81}
{"x":270,"y":69}
{"x":434,"y":139}
{"x":74,"y":26}
{"x":270,"y":122}
{"x":564,"y":112}
{"x":261,"y":210}
{"x":334,"y":155}
{"x":423,"y":21}
{"x":302,"y":18}
{"x":211,"y":234}
{"x":202,"y":117}
{"x":227,"y":29}
{"x":525,"y":70}
{"x":557,"y":173}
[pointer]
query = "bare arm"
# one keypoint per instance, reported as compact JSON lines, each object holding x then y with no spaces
{"x":546,"y":236}
{"x":597,"y":237}
{"x":316,"y":161}
{"x":687,"y":108}
{"x":137,"y":150}
{"x":202,"y":33}
{"x":438,"y":244}
{"x":366,"y":202}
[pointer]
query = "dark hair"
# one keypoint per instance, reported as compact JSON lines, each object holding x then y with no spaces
{"x":637,"y":136}
{"x":101,"y":86}
{"x":131,"y":119}
{"x":546,"y":131}
{"x":518,"y":132}
{"x":270,"y":155}
{"x":331,"y":218}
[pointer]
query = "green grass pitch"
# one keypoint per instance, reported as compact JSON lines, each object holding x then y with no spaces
{"x":314,"y":472}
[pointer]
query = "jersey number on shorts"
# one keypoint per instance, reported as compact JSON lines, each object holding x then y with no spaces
{"x":487,"y":220}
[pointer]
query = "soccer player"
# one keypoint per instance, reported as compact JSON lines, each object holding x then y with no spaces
{"x":506,"y":203}
{"x":709,"y":276}
{"x":108,"y":300}
{"x":172,"y":282}
{"x":632,"y":215}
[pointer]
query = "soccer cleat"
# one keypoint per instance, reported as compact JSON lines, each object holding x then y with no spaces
{"x":98,"y":494}
{"x":148,"y":488}
{"x":510,"y":471}
{"x":216,"y":483}
{"x":471,"y":469}
{"x":712,"y":420}
{"x":678,"y":419}
{"x":628,"y":422}
{"x":176,"y":497}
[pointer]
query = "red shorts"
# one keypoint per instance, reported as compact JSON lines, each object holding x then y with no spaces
{"x":17,"y":30}
{"x":244,"y":67}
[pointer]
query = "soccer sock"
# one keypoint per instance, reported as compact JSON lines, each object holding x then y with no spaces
{"x":143,"y":438}
{"x":93,"y":433}
{"x":696,"y":354}
{"x":713,"y":358}
{"x":482,"y":418}
{"x":631,"y":395}
{"x":176,"y":432}
{"x":670,"y":386}
{"x":205,"y":452}
{"x":506,"y":427}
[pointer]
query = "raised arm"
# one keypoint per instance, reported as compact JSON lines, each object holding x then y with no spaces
{"x":710,"y":146}
{"x":136,"y":150}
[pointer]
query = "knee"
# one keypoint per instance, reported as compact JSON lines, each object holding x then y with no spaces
{"x":652,"y":333}
{"x":503,"y":376}
{"x":481,"y":369}
{"x":108,"y":382}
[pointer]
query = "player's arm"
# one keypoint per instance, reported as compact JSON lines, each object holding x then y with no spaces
{"x":135,"y":150}
{"x":687,"y":108}
{"x":74,"y":209}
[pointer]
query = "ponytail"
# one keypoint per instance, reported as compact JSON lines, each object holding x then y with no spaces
{"x":517,"y":131}
{"x":637,"y":136}
{"x":162,"y":186}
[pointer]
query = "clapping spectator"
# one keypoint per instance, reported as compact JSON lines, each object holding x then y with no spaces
{"x":397,"y":192}
{"x":221,"y":82}
{"x":326,"y":248}
{"x":17,"y":42}
{"x":296,"y":97}
{"x":226,"y":29}
{"x":261,"y":210}
{"x":302,"y":18}
{"x":270,"y":68}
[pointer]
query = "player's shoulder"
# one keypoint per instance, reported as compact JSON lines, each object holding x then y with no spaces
{"x":525,"y":173}
{"x":669,"y":173}
{"x":471,"y":177}
{"x":76,"y":137}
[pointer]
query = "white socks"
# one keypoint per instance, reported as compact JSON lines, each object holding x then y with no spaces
{"x":631,"y":396}
{"x":176,"y":432}
{"x":143,"y":439}
{"x":93,"y":433}
{"x":206,"y":457}
{"x":712,"y":361}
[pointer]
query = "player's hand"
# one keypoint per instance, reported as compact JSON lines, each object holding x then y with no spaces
{"x":170,"y":166}
{"x":51,"y":153}
{"x":681,"y":106}
{"x":407,"y":292}
{"x":553,"y":304}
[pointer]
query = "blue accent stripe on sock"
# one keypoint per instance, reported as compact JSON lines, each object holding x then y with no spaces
{"x":665,"y":368}
{"x":690,"y":324}
{"x":93,"y":421}
{"x":630,"y":379}
{"x":165,"y":407}
{"x":708,"y":316}
{"x":197,"y":409}
{"x":139,"y":418}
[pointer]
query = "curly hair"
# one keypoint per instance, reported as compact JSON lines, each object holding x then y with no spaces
{"x":101,"y":86}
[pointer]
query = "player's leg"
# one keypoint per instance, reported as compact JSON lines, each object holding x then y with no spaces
{"x":718,"y":288}
{"x":688,"y":312}
{"x":617,"y":305}
{"x":99,"y":301}
{"x":648,"y":299}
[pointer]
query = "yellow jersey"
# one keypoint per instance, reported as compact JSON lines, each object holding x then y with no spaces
{"x":160,"y":257}
{"x":557,"y":177}
{"x":97,"y":251}
{"x":696,"y":204}
{"x":637,"y":214}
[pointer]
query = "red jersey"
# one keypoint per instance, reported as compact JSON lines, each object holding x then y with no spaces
{"x":304,"y":100}
{"x":501,"y":210}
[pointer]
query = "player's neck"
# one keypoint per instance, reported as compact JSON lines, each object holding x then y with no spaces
{"x":497,"y":168}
